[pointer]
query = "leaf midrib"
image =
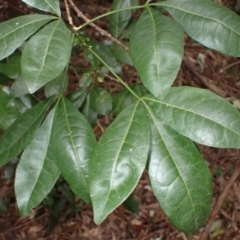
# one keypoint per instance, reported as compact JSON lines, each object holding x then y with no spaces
{"x":187,"y":110}
{"x":189,"y":195}
{"x":117,"y":156}
{"x":195,"y":14}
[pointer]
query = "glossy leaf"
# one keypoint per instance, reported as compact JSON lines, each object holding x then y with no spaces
{"x":15,"y":31}
{"x":74,"y":142}
{"x":25,"y":102}
{"x":88,"y":112}
{"x":8,"y":111}
{"x":101,"y":100}
{"x":19,"y":88}
{"x":21,"y":132}
{"x":122,"y":55}
{"x":179,"y":177}
{"x":118,"y":161}
{"x":199,"y":115}
{"x":37,"y":170}
{"x":46,"y":54}
{"x":124,"y":98}
{"x":57,"y":85}
{"x":45,"y":5}
{"x":119,"y":20}
{"x":103,"y":50}
{"x":207,"y":22}
{"x":85,"y":80}
{"x":12,"y":68}
{"x":77,"y":97}
{"x":156,"y":49}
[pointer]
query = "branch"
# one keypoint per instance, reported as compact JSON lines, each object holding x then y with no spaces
{"x":100,"y":30}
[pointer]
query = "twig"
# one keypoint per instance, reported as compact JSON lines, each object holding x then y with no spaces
{"x":68,"y":13}
{"x":229,"y":66}
{"x":100,"y":30}
{"x":219,"y":202}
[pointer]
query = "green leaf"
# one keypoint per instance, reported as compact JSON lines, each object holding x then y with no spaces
{"x":122,"y":100}
{"x":37,"y":170}
{"x":119,"y":20}
{"x":77,"y":97}
{"x":8,"y":111}
{"x":179,"y":177}
{"x":131,"y":204}
{"x":156,"y":49}
{"x":21,"y":132}
{"x":118,"y":161}
{"x":101,"y":100}
{"x":45,"y":5}
{"x":15,"y":31}
{"x":207,"y":22}
{"x":103,"y":50}
{"x":24,"y":102}
{"x":199,"y":115}
{"x":85,"y":80}
{"x":57,"y":85}
{"x":121,"y":54}
{"x":12,"y":68}
{"x":74,"y":142}
{"x":46,"y":54}
{"x":19,"y":88}
{"x":88,"y":112}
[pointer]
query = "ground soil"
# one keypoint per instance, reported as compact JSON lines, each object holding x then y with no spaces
{"x":201,"y":68}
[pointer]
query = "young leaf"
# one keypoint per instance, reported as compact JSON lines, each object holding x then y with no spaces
{"x":74,"y":143}
{"x":45,"y":5}
{"x":207,"y":22}
{"x":118,"y":161}
{"x":8,"y":111}
{"x":46,"y":54}
{"x":20,"y":133}
{"x":199,"y":115}
{"x":101,"y":101}
{"x":179,"y":177}
{"x":15,"y":31}
{"x":37,"y":170}
{"x":156,"y":49}
{"x":57,"y":85}
{"x":119,"y":20}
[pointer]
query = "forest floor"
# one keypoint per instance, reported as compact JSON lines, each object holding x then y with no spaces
{"x":201,"y":68}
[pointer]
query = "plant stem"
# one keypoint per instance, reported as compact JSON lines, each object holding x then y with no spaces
{"x":112,"y":12}
{"x":105,"y":64}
